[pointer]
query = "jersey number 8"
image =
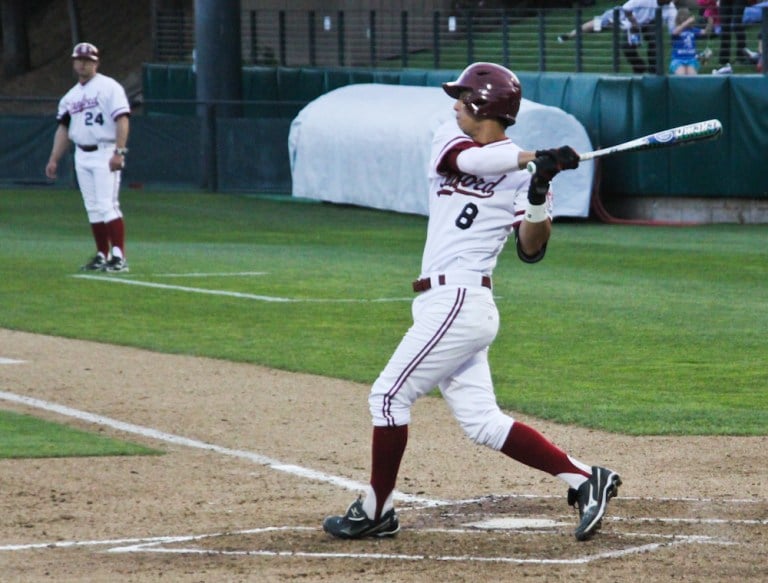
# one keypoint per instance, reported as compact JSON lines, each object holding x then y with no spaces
{"x":467,"y":216}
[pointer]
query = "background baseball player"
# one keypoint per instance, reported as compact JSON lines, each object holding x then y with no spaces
{"x":478,"y":196}
{"x":94,"y":115}
{"x":605,"y":21}
{"x":641,"y":15}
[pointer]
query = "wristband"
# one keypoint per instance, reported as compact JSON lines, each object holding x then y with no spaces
{"x":121,"y":151}
{"x":536,"y":213}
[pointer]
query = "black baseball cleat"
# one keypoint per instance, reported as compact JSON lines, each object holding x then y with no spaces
{"x":98,"y":263}
{"x":592,"y":500}
{"x":356,"y":524}
{"x":116,"y":265}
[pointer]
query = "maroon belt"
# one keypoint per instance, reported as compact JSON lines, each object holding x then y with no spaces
{"x":422,"y":285}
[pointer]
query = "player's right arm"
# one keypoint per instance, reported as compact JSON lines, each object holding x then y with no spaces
{"x":471,"y":158}
{"x":60,"y":145}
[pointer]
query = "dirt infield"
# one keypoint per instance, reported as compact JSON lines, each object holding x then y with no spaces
{"x":255,"y":458}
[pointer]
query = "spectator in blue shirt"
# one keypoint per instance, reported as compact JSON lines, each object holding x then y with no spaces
{"x":684,"y":59}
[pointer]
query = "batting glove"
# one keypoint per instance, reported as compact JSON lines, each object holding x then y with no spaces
{"x":548,"y":164}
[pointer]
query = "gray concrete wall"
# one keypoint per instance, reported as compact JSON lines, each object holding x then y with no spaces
{"x":694,"y":210}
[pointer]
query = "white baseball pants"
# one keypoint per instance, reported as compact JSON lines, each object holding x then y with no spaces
{"x":99,"y":186}
{"x":446,"y":347}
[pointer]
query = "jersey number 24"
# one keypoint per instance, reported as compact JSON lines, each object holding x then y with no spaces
{"x":91,"y":119}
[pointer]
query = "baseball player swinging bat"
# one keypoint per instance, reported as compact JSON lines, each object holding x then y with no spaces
{"x":694,"y":132}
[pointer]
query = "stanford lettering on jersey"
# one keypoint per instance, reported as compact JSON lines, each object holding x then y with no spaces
{"x":83,"y":104}
{"x":468,"y":185}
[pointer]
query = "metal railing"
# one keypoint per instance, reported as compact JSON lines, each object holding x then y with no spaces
{"x":525,"y":39}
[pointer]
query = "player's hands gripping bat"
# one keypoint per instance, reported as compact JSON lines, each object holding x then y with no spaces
{"x":548,"y":164}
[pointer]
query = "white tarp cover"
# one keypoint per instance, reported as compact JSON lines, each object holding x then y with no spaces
{"x":369,"y":144}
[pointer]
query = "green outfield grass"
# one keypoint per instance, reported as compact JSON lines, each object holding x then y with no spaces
{"x":639,"y":330}
{"x":24,"y":436}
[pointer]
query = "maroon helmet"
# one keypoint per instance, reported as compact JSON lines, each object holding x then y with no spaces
{"x":85,"y":51}
{"x":494,"y":91}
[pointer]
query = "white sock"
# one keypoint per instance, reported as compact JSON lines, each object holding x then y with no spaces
{"x":369,"y":504}
{"x":575,"y":480}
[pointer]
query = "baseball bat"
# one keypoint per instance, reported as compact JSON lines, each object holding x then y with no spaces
{"x":693,"y":132}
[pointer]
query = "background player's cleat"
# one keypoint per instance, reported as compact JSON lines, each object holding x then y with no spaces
{"x":561,"y":38}
{"x":116,"y":264}
{"x":98,"y":263}
{"x":724,"y":70}
{"x":355,"y":523}
{"x":749,"y":57}
{"x":592,"y":500}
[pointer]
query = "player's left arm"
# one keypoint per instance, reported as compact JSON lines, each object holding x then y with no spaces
{"x":533,"y":232}
{"x":532,"y":239}
{"x":122,"y":127}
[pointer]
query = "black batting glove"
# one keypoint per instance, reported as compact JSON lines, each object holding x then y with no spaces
{"x":546,"y":165}
{"x":567,"y":157}
{"x":538,"y":189}
{"x":550,"y":162}
{"x":546,"y":169}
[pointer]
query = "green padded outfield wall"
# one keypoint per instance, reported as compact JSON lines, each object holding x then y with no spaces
{"x":612,"y":108}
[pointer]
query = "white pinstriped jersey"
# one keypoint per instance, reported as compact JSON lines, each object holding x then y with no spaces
{"x":470,"y":217}
{"x":92,"y":109}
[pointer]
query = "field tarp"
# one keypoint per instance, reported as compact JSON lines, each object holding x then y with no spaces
{"x":369,"y":145}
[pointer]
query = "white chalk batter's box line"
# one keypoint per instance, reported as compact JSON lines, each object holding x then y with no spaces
{"x":156,"y":545}
{"x":231,"y":294}
{"x":298,"y":471}
{"x":151,"y":544}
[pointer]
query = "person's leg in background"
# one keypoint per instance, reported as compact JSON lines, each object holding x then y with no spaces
{"x":630,"y":49}
{"x":648,"y":33}
{"x":731,"y":14}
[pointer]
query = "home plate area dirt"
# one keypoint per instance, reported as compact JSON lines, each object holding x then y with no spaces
{"x":255,"y":458}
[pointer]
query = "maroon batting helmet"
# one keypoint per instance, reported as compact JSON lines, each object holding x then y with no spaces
{"x":85,"y":51}
{"x":493,"y":91}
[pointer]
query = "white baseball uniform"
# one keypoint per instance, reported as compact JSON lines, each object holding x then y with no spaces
{"x":606,"y":19}
{"x":455,"y":319}
{"x":644,"y":12}
{"x":89,"y":110}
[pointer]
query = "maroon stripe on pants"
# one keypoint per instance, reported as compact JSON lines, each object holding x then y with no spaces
{"x":441,"y":331}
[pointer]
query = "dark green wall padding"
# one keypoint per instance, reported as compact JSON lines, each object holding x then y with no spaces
{"x":250,"y":153}
{"x":613,"y":109}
